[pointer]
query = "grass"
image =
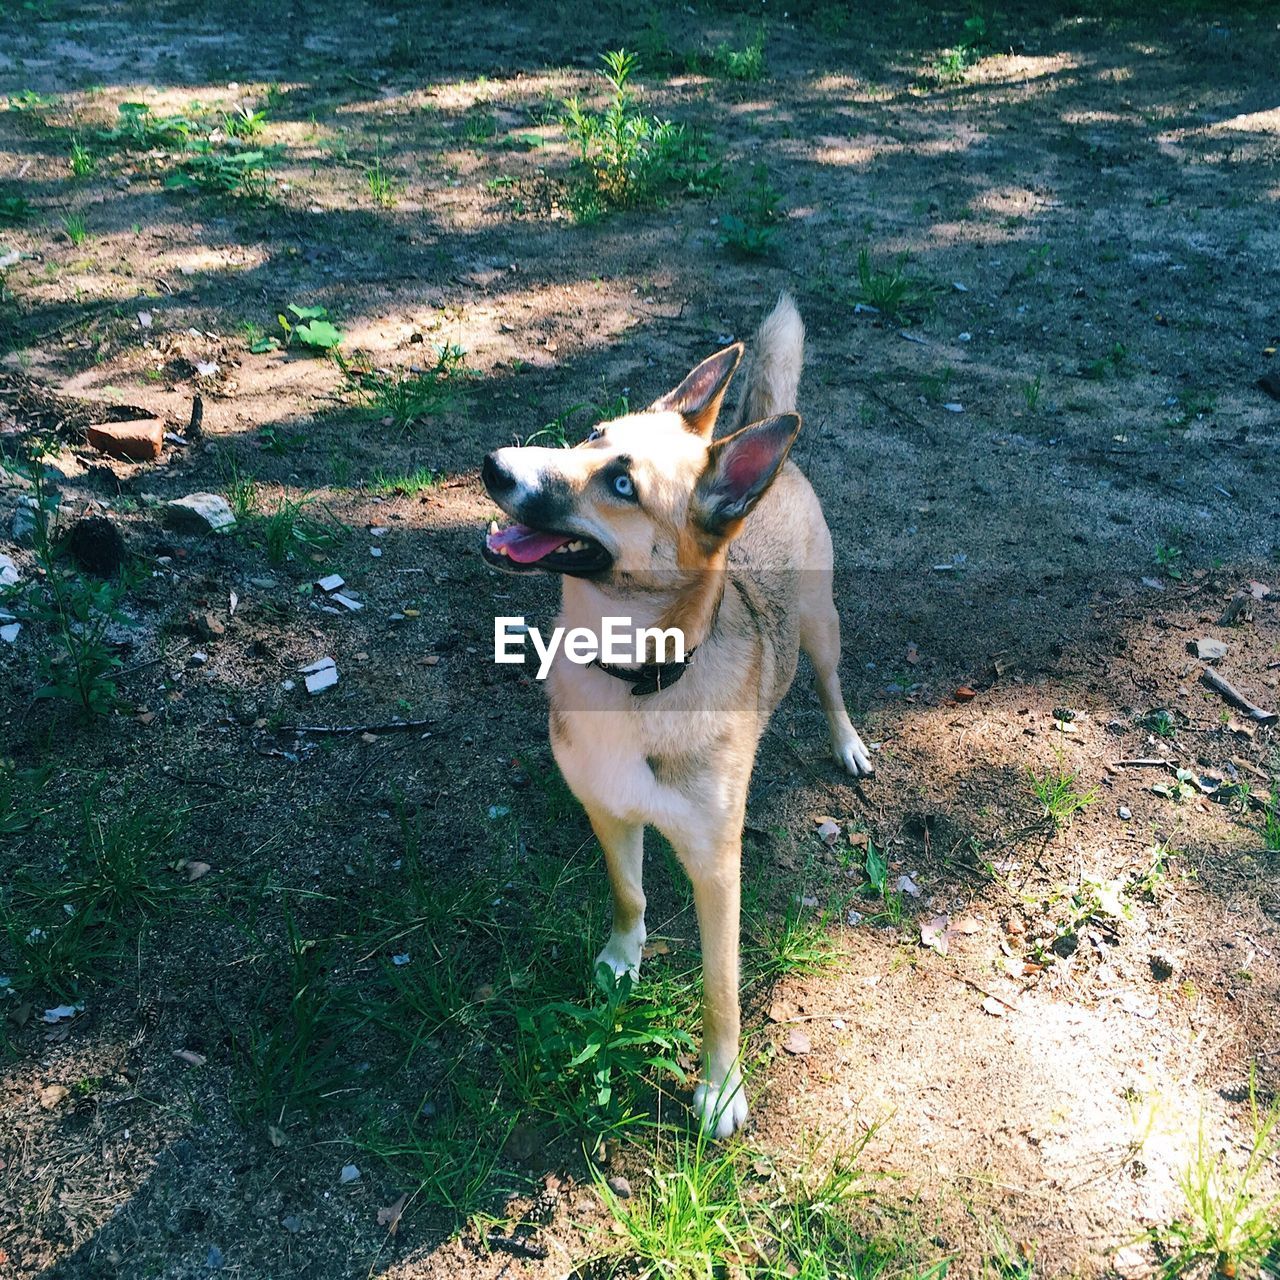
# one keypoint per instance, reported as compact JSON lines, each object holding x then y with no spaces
{"x":82,"y":160}
{"x":205,"y":167}
{"x":627,"y":159}
{"x":404,"y":398}
{"x":751,"y":231}
{"x":288,"y":530}
{"x":73,"y":224}
{"x":384,"y":190}
{"x":797,"y":943}
{"x":244,"y":122}
{"x":1031,"y":390}
{"x":892,"y":291}
{"x":411,"y":484}
{"x":1059,"y":797}
{"x":1227,"y":1222}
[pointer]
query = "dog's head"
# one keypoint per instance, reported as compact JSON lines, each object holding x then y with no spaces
{"x":648,"y":492}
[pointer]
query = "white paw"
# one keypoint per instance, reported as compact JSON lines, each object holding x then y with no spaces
{"x":853,"y":754}
{"x":621,"y":953}
{"x":721,"y":1108}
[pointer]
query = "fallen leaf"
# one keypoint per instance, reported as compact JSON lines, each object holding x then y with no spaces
{"x":192,"y":869}
{"x":966,"y":925}
{"x":276,"y":1135}
{"x":190,"y":1057}
{"x":389,"y":1216}
{"x":964,"y":693}
{"x":655,"y":948}
{"x":933,"y":933}
{"x":913,"y":654}
{"x":780,"y":1011}
{"x":60,"y":1012}
{"x":859,"y":839}
{"x":797,"y":1043}
{"x":52,"y":1094}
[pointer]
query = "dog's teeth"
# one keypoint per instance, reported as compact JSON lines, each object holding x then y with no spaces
{"x":576,"y":545}
{"x":493,"y":526}
{"x":502,"y":551}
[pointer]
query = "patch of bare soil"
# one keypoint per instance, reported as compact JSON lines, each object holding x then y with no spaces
{"x":1046,"y":480}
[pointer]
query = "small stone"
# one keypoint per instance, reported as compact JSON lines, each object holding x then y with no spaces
{"x":8,"y":572}
{"x":213,"y":1259}
{"x":208,"y":626}
{"x":346,"y":601}
{"x":132,"y":441}
{"x":263,"y":584}
{"x":375,"y":552}
{"x":199,"y":513}
{"x":324,"y":675}
{"x":350,"y":1173}
{"x":1125,"y":813}
{"x":1208,"y":649}
{"x":334,"y":582}
{"x":9,"y":632}
{"x":291,"y":1223}
{"x":619,"y":1186}
{"x":797,"y":1043}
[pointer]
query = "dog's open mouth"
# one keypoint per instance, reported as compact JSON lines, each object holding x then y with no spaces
{"x":519,"y":549}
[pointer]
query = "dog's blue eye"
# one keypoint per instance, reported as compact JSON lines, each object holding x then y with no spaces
{"x":623,"y":487}
{"x":595,"y":435}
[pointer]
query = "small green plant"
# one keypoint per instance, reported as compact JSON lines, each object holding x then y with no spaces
{"x":1056,"y":790}
{"x":895,"y":294}
{"x":556,"y":432}
{"x":83,"y":162}
{"x":73,"y":224}
{"x":205,"y":167}
{"x":1162,"y":722}
{"x":410,"y":485}
{"x":289,"y":528}
{"x":751,"y":231}
{"x":402,"y":398}
{"x":30,"y":100}
{"x":594,"y":1056}
{"x":384,"y":190}
{"x":244,"y":122}
{"x":242,"y":493}
{"x":1271,"y":819}
{"x":627,"y":159}
{"x":138,"y":128}
{"x":1227,"y":1222}
{"x":14,"y":210}
{"x":311,"y":326}
{"x":1031,"y":390}
{"x":746,"y":63}
{"x":798,"y":943}
{"x":1169,"y":559}
{"x":80,"y":612}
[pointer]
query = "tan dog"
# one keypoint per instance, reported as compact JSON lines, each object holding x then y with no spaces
{"x":652,"y":520}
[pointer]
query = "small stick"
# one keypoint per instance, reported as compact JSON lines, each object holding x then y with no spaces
{"x":1237,"y":699}
{"x":394,"y":726}
{"x":516,"y":1246}
{"x":1146,"y":762}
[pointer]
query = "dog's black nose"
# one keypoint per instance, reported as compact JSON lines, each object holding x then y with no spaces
{"x":497,"y":479}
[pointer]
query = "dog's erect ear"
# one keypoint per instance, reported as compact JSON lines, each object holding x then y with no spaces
{"x":699,"y":396}
{"x":740,"y":468}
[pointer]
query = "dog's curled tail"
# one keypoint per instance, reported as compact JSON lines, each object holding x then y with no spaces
{"x":777,"y":357}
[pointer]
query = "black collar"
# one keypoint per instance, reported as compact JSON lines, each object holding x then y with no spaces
{"x":653,"y":677}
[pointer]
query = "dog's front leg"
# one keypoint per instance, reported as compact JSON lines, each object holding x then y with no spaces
{"x":719,"y":1100}
{"x":623,"y":844}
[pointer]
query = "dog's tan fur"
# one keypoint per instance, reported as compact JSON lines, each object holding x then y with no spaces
{"x":749,"y":590}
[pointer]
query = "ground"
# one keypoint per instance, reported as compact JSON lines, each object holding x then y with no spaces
{"x":1049,"y":469}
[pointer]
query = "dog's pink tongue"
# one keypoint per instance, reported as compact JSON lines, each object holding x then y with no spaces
{"x":525,"y":545}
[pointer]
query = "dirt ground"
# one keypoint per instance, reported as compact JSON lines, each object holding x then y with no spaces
{"x":1044,"y":484}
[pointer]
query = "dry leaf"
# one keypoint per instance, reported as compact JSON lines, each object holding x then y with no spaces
{"x":913,"y":654}
{"x":655,"y":948}
{"x":190,"y":1057}
{"x":52,"y":1094}
{"x":797,"y":1043}
{"x":964,"y":693}
{"x":828,"y":830}
{"x":966,"y":924}
{"x":933,"y":933}
{"x":780,"y":1011}
{"x":859,"y":839}
{"x":389,"y":1217}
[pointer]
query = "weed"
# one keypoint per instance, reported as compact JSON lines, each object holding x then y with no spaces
{"x":1031,"y":389}
{"x":311,"y":326}
{"x":1226,"y":1223}
{"x":14,"y":210}
{"x":287,"y":529}
{"x":751,"y":231}
{"x":746,"y":63}
{"x":1271,"y":819}
{"x":138,"y":128}
{"x":384,"y":190}
{"x":1168,"y":559}
{"x":244,"y":122}
{"x":30,"y":100}
{"x":1162,"y":722}
{"x":77,"y":232}
{"x":83,"y":162}
{"x":404,"y":398}
{"x":78,"y":611}
{"x":627,"y":159}
{"x":1056,"y":791}
{"x":1113,"y":362}
{"x":204,"y":167}
{"x":590,"y":1059}
{"x":895,"y":294}
{"x":411,"y":485}
{"x":242,"y":494}
{"x":19,"y":789}
{"x":796,"y":944}
{"x":556,"y":432}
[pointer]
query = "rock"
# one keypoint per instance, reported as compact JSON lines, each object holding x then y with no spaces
{"x":8,"y":572}
{"x":350,"y":1173}
{"x":1207,"y":649}
{"x":96,"y":546}
{"x":1125,"y":813}
{"x":22,"y":527}
{"x":133,"y":441}
{"x":797,"y":1043}
{"x":334,"y":582}
{"x":619,"y":1186}
{"x":199,"y":513}
{"x":208,"y":626}
{"x":320,"y":675}
{"x":9,"y":631}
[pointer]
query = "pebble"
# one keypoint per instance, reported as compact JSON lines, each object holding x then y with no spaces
{"x":199,"y":513}
{"x":1125,"y":813}
{"x":620,"y":1187}
{"x":350,"y":1173}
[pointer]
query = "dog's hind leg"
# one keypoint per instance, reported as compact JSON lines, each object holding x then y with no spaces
{"x":820,"y":639}
{"x":623,"y":844}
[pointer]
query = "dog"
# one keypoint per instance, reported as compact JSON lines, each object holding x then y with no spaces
{"x":723,"y":539}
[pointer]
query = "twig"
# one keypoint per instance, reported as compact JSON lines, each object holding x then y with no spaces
{"x":393,"y":726}
{"x":1222,"y":685}
{"x":1142,"y":762}
{"x":515,"y":1246}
